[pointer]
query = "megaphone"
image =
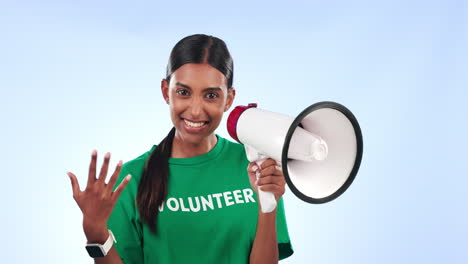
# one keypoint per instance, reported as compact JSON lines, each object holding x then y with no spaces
{"x":320,"y":150}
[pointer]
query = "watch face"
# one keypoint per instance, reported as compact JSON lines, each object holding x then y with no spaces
{"x":95,"y":251}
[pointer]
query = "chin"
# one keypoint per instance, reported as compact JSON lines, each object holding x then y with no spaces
{"x":191,"y":137}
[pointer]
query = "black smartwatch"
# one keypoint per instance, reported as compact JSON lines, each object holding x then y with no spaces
{"x":96,"y":250}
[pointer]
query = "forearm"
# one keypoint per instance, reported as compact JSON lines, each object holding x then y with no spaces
{"x":265,"y":246}
{"x":111,"y":258}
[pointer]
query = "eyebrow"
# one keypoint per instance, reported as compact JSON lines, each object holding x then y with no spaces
{"x":206,"y":89}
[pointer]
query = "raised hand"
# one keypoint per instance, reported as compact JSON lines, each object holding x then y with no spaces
{"x":271,"y":178}
{"x":97,"y":200}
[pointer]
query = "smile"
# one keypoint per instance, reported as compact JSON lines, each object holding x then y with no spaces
{"x":194,"y":124}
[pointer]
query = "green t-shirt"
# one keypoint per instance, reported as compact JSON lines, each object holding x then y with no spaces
{"x":209,"y":215}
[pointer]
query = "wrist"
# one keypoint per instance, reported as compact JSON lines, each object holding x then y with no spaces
{"x":261,"y":213}
{"x":98,"y":237}
{"x":95,"y":232}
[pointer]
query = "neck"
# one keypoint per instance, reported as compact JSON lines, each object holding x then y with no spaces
{"x":184,"y":149}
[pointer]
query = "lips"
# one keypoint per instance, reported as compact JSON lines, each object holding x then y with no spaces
{"x":194,"y":123}
{"x":194,"y":126}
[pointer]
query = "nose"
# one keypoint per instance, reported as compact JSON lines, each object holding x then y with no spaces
{"x":196,"y":108}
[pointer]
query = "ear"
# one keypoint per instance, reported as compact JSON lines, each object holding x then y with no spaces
{"x":230,"y":98}
{"x":165,"y":90}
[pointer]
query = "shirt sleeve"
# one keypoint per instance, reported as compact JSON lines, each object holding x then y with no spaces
{"x":284,"y":243}
{"x":124,"y":224}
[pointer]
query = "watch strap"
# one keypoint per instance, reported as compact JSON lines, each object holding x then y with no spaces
{"x":109,"y":242}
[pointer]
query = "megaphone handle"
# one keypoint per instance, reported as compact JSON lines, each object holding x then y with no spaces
{"x":267,"y":199}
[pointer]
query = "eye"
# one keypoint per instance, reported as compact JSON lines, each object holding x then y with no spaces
{"x":212,"y":95}
{"x":182,"y":92}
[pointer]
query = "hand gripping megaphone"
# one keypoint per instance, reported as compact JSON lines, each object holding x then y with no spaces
{"x":320,"y":150}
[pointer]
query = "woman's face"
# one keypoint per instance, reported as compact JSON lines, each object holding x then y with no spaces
{"x":197,"y":96}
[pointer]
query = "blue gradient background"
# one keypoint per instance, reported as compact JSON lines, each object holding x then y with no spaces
{"x":77,"y":76}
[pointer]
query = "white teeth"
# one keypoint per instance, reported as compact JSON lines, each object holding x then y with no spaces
{"x":191,"y":124}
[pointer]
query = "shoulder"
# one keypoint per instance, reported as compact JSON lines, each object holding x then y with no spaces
{"x":233,"y":146}
{"x":233,"y":150}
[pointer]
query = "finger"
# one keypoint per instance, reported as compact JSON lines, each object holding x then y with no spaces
{"x":276,"y":189}
{"x":104,"y":168}
{"x":267,"y":163}
{"x":271,"y":180}
{"x":92,"y":168}
{"x":279,"y":166}
{"x":272,"y":170}
{"x":253,"y":170}
{"x":252,"y":174}
{"x":252,"y":178}
{"x":74,"y":183}
{"x":253,"y":167}
{"x":114,"y":177}
{"x":121,"y":187}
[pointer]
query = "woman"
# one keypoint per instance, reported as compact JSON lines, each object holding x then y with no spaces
{"x":192,"y":198}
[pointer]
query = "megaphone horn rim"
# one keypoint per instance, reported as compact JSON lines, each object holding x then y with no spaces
{"x":297,"y":122}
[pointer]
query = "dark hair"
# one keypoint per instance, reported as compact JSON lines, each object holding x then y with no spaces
{"x":152,"y":189}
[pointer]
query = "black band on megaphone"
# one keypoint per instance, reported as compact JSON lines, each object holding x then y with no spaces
{"x":359,"y":149}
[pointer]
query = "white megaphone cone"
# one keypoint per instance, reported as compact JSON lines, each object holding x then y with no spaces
{"x":319,"y":151}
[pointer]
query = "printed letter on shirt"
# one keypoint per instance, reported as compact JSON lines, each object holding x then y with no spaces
{"x":248,"y":195}
{"x":228,"y":198}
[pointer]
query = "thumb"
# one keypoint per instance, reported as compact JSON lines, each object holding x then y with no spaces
{"x":251,"y":171}
{"x":253,"y":167}
{"x":74,"y":183}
